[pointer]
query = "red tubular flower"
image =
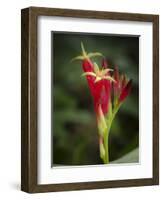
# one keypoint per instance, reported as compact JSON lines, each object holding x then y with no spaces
{"x":99,"y":82}
{"x":102,"y":84}
{"x":88,"y":67}
{"x":102,"y":95}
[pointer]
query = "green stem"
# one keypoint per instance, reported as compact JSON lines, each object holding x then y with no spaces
{"x":106,"y":134}
{"x":106,"y":143}
{"x":106,"y":161}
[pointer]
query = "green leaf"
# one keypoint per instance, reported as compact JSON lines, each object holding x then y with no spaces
{"x":131,"y":157}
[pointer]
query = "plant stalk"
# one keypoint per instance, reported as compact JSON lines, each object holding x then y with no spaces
{"x":106,"y":134}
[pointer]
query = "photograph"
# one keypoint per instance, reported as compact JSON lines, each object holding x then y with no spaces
{"x":90,"y":99}
{"x":95,"y":99}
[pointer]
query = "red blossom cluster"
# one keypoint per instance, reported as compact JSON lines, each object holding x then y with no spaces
{"x":108,"y":89}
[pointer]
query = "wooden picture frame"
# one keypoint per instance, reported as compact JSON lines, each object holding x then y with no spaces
{"x":29,"y":112}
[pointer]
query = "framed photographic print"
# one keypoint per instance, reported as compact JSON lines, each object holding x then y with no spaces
{"x":90,"y":99}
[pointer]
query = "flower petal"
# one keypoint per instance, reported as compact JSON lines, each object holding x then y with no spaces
{"x":109,"y":78}
{"x":96,"y":68}
{"x":90,"y":55}
{"x":97,"y":79}
{"x":89,"y":74}
{"x":104,"y":63}
{"x":125,"y":91}
{"x":87,"y":66}
{"x":77,"y":58}
{"x":116,"y":74}
{"x":83,"y":50}
{"x":105,"y":71}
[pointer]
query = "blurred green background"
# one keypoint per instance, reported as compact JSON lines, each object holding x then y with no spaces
{"x":75,"y":135}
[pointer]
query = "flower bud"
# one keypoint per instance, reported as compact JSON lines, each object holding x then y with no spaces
{"x":125,"y":91}
{"x":102,"y":149}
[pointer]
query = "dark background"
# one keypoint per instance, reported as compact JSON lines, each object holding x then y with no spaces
{"x":75,"y":134}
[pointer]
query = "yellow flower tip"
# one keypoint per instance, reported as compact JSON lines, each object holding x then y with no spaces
{"x":88,"y":74}
{"x":109,"y":78}
{"x":97,"y":79}
{"x":96,"y":68}
{"x":84,"y":53}
{"x":95,"y":54}
{"x":77,"y":58}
